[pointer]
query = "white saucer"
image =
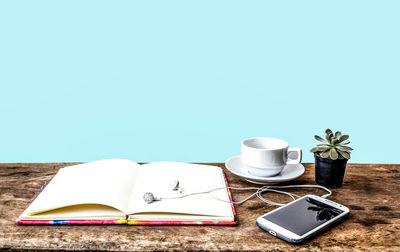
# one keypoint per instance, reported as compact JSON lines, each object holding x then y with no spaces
{"x":289,"y":172}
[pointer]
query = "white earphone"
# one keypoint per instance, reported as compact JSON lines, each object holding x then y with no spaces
{"x":175,"y":186}
{"x":148,"y":197}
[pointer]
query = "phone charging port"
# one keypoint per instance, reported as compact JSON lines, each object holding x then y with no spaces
{"x":272,"y":232}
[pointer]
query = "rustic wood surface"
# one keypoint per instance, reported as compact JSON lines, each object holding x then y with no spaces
{"x":370,"y":190}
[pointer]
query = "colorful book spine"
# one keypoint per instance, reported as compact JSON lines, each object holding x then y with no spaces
{"x":70,"y":222}
{"x":220,"y":223}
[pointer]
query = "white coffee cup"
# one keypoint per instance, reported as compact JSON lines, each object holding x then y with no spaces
{"x":266,"y":157}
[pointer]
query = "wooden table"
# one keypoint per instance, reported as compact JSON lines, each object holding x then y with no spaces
{"x":371,"y":191}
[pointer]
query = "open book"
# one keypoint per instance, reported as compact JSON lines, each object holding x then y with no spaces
{"x":111,"y":192}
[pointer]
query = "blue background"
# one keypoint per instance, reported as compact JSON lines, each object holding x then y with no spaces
{"x":188,"y":80}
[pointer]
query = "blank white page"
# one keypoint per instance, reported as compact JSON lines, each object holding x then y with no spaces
{"x":157,"y":178}
{"x":78,"y":212}
{"x":108,"y":182}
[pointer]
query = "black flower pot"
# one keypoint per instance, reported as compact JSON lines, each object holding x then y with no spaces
{"x":328,"y":172}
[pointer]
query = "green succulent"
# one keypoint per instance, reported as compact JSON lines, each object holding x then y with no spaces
{"x":333,"y":145}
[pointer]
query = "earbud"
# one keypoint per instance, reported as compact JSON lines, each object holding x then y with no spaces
{"x":175,"y":186}
{"x":149,"y":198}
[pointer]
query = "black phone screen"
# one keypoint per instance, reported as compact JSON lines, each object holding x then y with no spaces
{"x":303,"y":215}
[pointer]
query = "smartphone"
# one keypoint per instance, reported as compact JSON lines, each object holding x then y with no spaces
{"x":303,"y":218}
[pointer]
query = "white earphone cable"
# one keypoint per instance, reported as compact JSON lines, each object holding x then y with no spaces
{"x":258,"y":193}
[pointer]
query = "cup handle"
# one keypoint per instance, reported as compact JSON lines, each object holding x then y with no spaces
{"x":298,"y":159}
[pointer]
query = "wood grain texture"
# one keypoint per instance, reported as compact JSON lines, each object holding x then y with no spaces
{"x":370,"y":190}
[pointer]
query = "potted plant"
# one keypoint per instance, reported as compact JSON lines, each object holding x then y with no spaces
{"x":331,"y":158}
